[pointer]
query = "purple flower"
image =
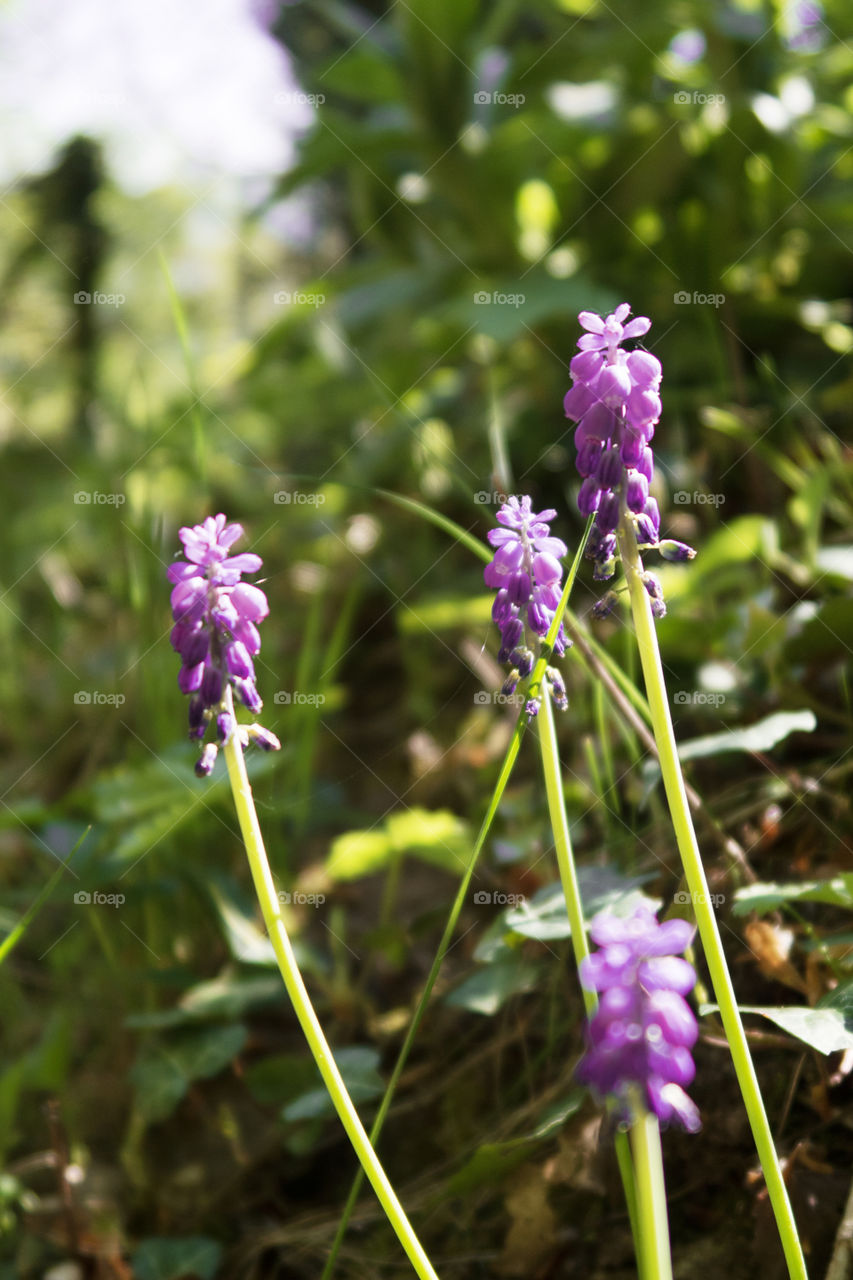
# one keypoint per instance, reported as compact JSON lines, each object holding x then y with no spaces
{"x":615,"y":400}
{"x":215,"y":632}
{"x":641,"y":1035}
{"x":527,"y":575}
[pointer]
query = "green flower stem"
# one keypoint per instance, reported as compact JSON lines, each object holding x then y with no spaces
{"x":695,"y":873}
{"x":654,"y":1250}
{"x":268,"y":898}
{"x":459,"y":901}
{"x":574,"y":907}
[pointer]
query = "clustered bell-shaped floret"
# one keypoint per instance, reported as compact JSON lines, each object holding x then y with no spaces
{"x":527,"y":575}
{"x":615,"y":400}
{"x":216,"y":629}
{"x":640,"y":1037}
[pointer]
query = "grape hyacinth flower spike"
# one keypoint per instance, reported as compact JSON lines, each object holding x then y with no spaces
{"x":615,"y":400}
{"x":216,"y":634}
{"x":640,"y":1037}
{"x":527,"y":574}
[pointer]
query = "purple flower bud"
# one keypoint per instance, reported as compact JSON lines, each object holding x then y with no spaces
{"x":558,"y":688}
{"x":642,"y":1032}
{"x":588,"y":457}
{"x":672,"y":550}
{"x":646,"y":532}
{"x":605,"y":606}
{"x":646,"y":464}
{"x":523,"y":659}
{"x":636,"y":491}
{"x":589,"y":497}
{"x":651,"y":510}
{"x":510,"y":685}
{"x":609,"y":472}
{"x":263,"y":738}
{"x":206,"y":761}
{"x":607,"y":517}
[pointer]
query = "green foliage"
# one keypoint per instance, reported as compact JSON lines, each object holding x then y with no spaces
{"x":191,"y":1258}
{"x":586,"y":180}
{"x":439,"y":838}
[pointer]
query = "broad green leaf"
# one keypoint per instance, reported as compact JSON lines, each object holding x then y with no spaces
{"x":159,"y":1084}
{"x":246,"y":942}
{"x":491,"y":1162}
{"x":840,"y":1001}
{"x":436,"y":836}
{"x":544,"y":916}
{"x":837,"y":561}
{"x":164,"y":1070}
{"x":822,"y":1028}
{"x":359,"y":853}
{"x":826,"y":637}
{"x":358,"y":1066}
{"x":204,"y":1053}
{"x":769,"y":897}
{"x":488,"y":990}
{"x":281,"y":1078}
{"x":762,"y":736}
{"x":186,"y":1258}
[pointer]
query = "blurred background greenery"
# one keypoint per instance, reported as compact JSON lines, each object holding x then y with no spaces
{"x":387,"y":301}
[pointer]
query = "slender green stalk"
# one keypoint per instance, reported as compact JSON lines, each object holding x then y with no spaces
{"x":458,"y":903}
{"x":17,"y":932}
{"x":574,"y":907}
{"x":654,"y":1249}
{"x":268,"y":899}
{"x":432,"y":976}
{"x":708,"y":930}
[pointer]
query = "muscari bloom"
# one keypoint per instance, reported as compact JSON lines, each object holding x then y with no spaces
{"x":615,"y":400}
{"x":640,"y":1037}
{"x":527,"y":574}
{"x":215,"y":632}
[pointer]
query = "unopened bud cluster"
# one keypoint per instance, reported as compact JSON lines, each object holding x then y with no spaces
{"x":615,"y":400}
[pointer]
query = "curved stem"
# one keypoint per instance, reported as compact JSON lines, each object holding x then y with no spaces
{"x":536,"y":679}
{"x":268,"y":899}
{"x":706,"y":920}
{"x":574,"y":907}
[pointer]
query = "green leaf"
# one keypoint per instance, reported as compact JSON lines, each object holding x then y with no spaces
{"x":159,"y":1085}
{"x":187,"y":1258}
{"x":488,"y":990}
{"x":823,"y":1028}
{"x":840,"y":1001}
{"x":544,"y":916}
{"x":204,"y":1053}
{"x":837,"y":892}
{"x":164,"y":1070}
{"x":491,"y":1162}
{"x":837,"y":561}
{"x":762,"y":736}
{"x":827,"y":636}
{"x":246,"y":942}
{"x":436,"y":836}
{"x":358,"y":1066}
{"x":281,"y":1078}
{"x":359,"y":853}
